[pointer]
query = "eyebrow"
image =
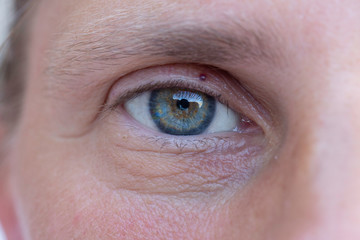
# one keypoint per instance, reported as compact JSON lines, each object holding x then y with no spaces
{"x":183,"y":42}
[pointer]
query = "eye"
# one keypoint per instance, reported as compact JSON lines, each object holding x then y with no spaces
{"x":174,"y":128}
{"x":181,"y":111}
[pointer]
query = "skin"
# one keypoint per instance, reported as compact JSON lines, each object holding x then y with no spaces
{"x":70,"y":172}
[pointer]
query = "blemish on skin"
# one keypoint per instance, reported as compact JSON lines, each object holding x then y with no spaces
{"x":202,"y":77}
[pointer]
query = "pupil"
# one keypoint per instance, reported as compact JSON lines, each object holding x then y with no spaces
{"x":183,"y":104}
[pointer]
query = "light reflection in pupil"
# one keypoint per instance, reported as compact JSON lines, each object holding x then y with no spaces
{"x":189,"y":96}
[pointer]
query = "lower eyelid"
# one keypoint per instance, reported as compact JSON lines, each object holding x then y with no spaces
{"x":179,"y":144}
{"x":161,"y":163}
{"x":206,"y":165}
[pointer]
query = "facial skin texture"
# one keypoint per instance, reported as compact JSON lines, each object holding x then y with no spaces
{"x":76,"y":170}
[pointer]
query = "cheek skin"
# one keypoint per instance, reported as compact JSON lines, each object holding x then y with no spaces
{"x":57,"y":193}
{"x":279,"y":204}
{"x":160,"y":164}
{"x":135,"y":218}
{"x":60,"y":196}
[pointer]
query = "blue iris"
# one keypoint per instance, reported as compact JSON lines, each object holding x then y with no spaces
{"x":181,"y":112}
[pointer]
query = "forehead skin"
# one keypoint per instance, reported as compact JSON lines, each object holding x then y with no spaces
{"x":286,"y":51}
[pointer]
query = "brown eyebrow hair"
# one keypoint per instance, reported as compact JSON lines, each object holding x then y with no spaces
{"x":183,"y":42}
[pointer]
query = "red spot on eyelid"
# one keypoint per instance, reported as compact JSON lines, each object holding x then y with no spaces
{"x":202,"y":77}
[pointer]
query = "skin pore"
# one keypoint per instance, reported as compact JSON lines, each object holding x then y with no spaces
{"x":79,"y":166}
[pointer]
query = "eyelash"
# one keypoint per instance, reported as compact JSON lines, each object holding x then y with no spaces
{"x":169,"y":84}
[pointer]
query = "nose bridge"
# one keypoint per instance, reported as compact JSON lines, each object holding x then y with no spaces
{"x":330,"y":129}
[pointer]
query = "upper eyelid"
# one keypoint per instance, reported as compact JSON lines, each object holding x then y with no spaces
{"x":220,"y":84}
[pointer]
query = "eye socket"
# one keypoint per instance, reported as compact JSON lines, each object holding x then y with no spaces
{"x":177,"y":100}
{"x":179,"y":111}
